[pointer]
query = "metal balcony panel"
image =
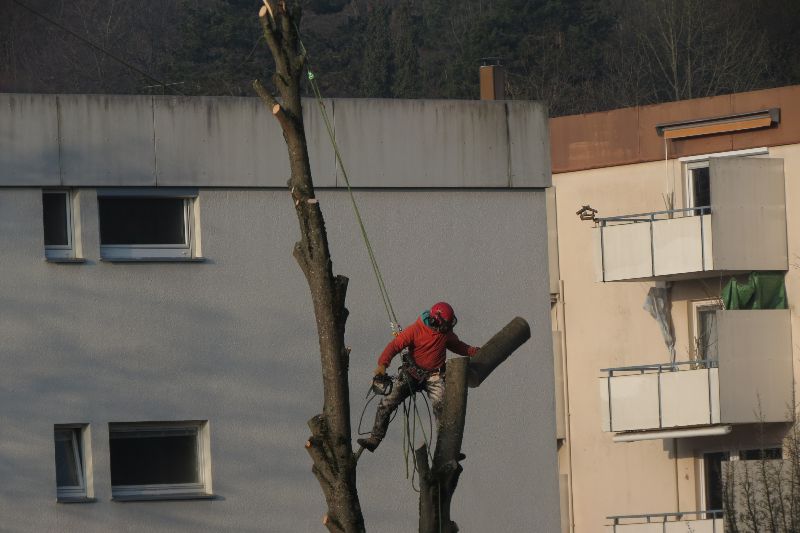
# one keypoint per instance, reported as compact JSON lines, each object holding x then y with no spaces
{"x":624,"y":252}
{"x":680,"y":245}
{"x":755,"y":370}
{"x":686,"y":398}
{"x":634,"y":402}
{"x":710,"y":525}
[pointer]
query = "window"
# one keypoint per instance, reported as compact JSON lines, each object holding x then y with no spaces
{"x":698,"y":185}
{"x":72,"y":467}
{"x":147,"y":224}
{"x":704,"y":329}
{"x":698,"y":176}
{"x":758,"y":454}
{"x":160,"y":460}
{"x":58,"y":211}
{"x":712,"y":479}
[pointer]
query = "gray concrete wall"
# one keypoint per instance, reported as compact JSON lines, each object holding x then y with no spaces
{"x":104,"y":140}
{"x":232,"y":341}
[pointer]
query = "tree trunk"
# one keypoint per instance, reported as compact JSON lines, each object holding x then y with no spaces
{"x":330,"y":442}
{"x":438,"y":480}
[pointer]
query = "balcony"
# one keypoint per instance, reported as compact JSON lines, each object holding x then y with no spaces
{"x":743,"y":229}
{"x":750,"y":382}
{"x":696,"y":521}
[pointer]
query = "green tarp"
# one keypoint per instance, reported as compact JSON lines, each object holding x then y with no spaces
{"x":762,"y":290}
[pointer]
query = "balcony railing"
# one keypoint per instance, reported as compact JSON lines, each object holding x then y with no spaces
{"x":696,"y":521}
{"x":662,"y":395}
{"x":657,"y":244}
{"x":743,"y":229}
{"x":750,"y":380}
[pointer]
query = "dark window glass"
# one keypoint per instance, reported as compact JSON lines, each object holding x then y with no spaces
{"x":142,"y":221}
{"x":701,"y":183}
{"x":713,"y":469}
{"x":153,"y":457}
{"x":55,"y":218}
{"x":67,"y":467}
{"x":768,"y":453}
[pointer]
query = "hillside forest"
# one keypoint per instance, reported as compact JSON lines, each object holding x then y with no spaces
{"x":576,"y":55}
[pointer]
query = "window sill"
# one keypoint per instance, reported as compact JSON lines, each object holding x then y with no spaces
{"x":65,"y":260}
{"x":164,"y":497}
{"x":153,"y":259}
{"x":75,"y":499}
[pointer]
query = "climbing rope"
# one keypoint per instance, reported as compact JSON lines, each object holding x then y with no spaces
{"x":387,"y":302}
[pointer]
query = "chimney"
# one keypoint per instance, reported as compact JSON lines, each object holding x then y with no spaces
{"x":493,"y":79}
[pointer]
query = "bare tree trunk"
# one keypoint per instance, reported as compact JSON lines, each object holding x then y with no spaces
{"x":330,"y":444}
{"x":438,"y":480}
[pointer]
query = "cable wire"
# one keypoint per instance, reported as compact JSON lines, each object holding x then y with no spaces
{"x":96,"y":47}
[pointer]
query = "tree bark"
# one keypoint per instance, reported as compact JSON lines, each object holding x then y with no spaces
{"x":497,"y":350}
{"x":439,"y":479}
{"x":330,"y":444}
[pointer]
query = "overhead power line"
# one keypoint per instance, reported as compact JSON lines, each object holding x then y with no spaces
{"x":97,"y":47}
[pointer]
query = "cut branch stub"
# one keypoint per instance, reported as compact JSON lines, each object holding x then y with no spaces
{"x":497,"y":350}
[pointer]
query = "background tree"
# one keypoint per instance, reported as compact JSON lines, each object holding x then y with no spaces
{"x":575,"y":55}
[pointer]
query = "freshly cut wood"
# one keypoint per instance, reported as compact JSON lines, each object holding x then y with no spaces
{"x":497,"y":350}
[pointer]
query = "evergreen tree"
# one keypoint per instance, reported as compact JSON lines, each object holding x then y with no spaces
{"x":406,"y":82}
{"x":376,"y":65}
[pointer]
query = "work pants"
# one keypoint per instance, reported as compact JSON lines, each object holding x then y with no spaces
{"x":404,"y":387}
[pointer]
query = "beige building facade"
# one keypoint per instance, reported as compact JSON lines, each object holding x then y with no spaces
{"x":653,"y":405}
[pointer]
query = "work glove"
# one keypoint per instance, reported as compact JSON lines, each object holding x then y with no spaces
{"x":381,"y":370}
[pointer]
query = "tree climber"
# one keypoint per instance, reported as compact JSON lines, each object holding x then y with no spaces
{"x":423,"y":366}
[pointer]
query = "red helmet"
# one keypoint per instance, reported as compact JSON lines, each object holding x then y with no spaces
{"x":443,"y":316}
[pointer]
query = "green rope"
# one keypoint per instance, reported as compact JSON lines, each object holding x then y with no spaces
{"x":387,"y":302}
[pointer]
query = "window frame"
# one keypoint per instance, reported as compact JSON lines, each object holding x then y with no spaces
{"x":700,"y":161}
{"x":186,"y":251}
{"x":704,"y":493}
{"x":83,"y":492}
{"x":168,"y":491}
{"x":64,"y":252}
{"x":695,"y":307}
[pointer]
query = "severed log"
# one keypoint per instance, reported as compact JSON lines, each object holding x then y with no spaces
{"x":496,"y":350}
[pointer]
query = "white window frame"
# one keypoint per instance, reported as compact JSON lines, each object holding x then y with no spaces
{"x":701,"y":161}
{"x":732,"y":456}
{"x":695,"y":307}
{"x":79,"y":433}
{"x":65,"y":251}
{"x":188,"y":250}
{"x":201,"y":489}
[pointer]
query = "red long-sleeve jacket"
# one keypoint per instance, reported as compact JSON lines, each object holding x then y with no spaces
{"x":428,"y":346}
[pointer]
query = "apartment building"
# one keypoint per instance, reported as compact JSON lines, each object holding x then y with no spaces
{"x":157,"y":340}
{"x":666,"y":379}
